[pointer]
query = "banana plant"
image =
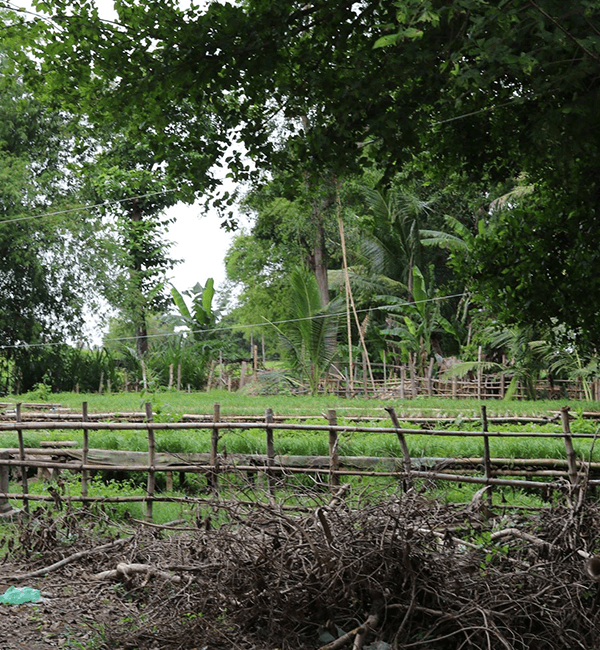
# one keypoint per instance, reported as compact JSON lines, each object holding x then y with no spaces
{"x":201,"y":317}
{"x":414,"y":324}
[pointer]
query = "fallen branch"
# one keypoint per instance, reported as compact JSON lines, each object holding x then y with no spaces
{"x":66,"y":560}
{"x":358,"y":634}
{"x":125,"y":570}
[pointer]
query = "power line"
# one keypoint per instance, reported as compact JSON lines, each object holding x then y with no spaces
{"x":240,"y":327}
{"x":86,"y":207}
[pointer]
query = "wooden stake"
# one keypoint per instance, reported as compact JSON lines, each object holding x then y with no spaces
{"x":151,"y":463}
{"x":4,"y":503}
{"x":214,"y":449}
{"x":22,"y":457}
{"x":334,"y":457}
{"x":405,"y":453}
{"x":486,"y":451}
{"x":571,"y":457}
{"x":84,"y":458}
{"x":270,"y":451}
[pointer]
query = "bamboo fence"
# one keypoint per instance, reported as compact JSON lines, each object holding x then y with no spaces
{"x":569,"y":475}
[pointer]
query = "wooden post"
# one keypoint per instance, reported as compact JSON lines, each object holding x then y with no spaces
{"x":384,"y":371}
{"x":414,"y":389}
{"x":4,"y":502}
{"x":170,"y":376}
{"x":101,"y":382}
{"x":22,"y":458}
{"x":151,"y":463}
{"x":144,"y":377}
{"x":487,"y":463}
{"x":454,"y":387}
{"x":479,"y":372}
{"x":84,"y":454}
{"x":402,"y":380}
{"x":178,"y":376}
{"x":169,"y":481}
{"x":243,"y":374}
{"x":255,"y":358}
{"x":270,"y":451}
{"x":334,"y":457}
{"x":571,"y":458}
{"x":406,"y":463}
{"x":214,"y":449}
{"x":429,"y":377}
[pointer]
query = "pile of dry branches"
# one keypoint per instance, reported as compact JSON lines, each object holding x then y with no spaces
{"x":366,"y":572}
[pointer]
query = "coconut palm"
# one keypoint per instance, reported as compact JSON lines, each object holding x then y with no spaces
{"x":310,"y":334}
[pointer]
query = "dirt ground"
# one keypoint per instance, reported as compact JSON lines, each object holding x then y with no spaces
{"x":365,"y":573}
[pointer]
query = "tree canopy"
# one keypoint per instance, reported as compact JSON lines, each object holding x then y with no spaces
{"x":479,"y":95}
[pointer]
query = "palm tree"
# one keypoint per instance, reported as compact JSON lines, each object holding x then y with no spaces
{"x":310,"y":335}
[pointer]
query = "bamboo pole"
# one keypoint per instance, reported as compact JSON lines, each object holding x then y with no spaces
{"x":22,"y":457}
{"x":181,"y":426}
{"x":486,"y":451}
{"x":270,"y":451}
{"x":407,"y":481}
{"x":5,"y":506}
{"x":214,"y":449}
{"x":334,"y":456}
{"x":151,"y":464}
{"x":570,"y":451}
{"x":84,"y":473}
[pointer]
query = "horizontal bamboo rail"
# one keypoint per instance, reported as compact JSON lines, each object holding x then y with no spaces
{"x":275,"y":426}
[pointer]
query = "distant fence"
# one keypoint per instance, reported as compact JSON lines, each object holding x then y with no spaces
{"x":404,"y":382}
{"x":569,"y":475}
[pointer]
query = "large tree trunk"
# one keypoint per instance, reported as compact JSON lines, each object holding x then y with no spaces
{"x":319,"y":259}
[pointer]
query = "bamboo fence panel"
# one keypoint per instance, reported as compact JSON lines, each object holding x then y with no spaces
{"x":333,"y":466}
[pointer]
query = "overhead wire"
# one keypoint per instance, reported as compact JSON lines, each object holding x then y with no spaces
{"x":231,"y":328}
{"x":87,"y":207}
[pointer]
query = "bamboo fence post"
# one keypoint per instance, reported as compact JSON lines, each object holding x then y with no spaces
{"x":151,"y":463}
{"x":487,"y":464}
{"x":454,"y":387}
{"x":479,"y":371}
{"x":571,"y":457}
{"x":22,"y":458}
{"x":402,"y":380}
{"x":214,"y":449}
{"x":178,"y":376}
{"x":334,"y":457}
{"x":430,"y":377}
{"x":84,"y":453}
{"x":4,"y":502}
{"x":406,"y":462}
{"x":384,"y":370}
{"x":242,"y":374}
{"x":413,"y":379}
{"x":270,"y":451}
{"x":170,"y":376}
